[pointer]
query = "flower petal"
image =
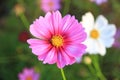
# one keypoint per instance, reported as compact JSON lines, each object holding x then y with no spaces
{"x":39,"y":47}
{"x":76,"y":35}
{"x":108,"y":42}
{"x":95,"y":46}
{"x":56,"y":21}
{"x":88,"y":21}
{"x":60,"y":60}
{"x":107,"y":34}
{"x":67,"y":22}
{"x":40,"y":28}
{"x":45,"y":6}
{"x":36,"y":76}
{"x":45,"y":27}
{"x":70,"y":32}
{"x":108,"y":31}
{"x":51,"y":56}
{"x":75,"y":50}
{"x":34,"y":31}
{"x":64,"y":59}
{"x":101,"y":22}
{"x":102,"y":49}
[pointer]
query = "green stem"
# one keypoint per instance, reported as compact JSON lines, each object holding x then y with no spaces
{"x":24,"y":20}
{"x":63,"y":75}
{"x":97,"y":67}
{"x":91,"y":69}
{"x":67,"y":5}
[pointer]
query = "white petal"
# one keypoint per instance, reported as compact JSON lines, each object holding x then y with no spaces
{"x":108,"y":42}
{"x":101,"y":22}
{"x":95,"y":47}
{"x":88,"y":21}
{"x":101,"y":48}
{"x":91,"y":46}
{"x":108,"y":31}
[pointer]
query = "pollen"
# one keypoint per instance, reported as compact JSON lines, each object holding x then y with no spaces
{"x":94,"y":34}
{"x":57,"y":41}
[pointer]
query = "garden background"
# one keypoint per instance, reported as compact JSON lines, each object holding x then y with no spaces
{"x":16,"y":55}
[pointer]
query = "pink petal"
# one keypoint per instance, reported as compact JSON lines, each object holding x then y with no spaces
{"x":28,"y":72}
{"x":41,"y":28}
{"x":21,"y":76}
{"x":34,"y":32}
{"x":66,"y":22}
{"x":75,"y":36}
{"x":56,"y":21}
{"x":42,"y":56}
{"x":60,"y":60}
{"x":73,"y":30}
{"x":49,"y":21}
{"x":64,"y":59}
{"x":36,"y":76}
{"x":39,"y":47}
{"x":75,"y":50}
{"x":51,"y":56}
{"x":46,"y":7}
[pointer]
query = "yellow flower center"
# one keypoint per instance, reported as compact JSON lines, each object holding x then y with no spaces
{"x":57,"y":40}
{"x":28,"y":78}
{"x":50,"y":3}
{"x":94,"y":34}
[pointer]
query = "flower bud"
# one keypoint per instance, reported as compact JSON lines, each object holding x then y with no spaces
{"x":19,"y":9}
{"x":87,"y":60}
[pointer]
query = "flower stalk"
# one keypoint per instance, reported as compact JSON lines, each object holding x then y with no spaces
{"x":24,"y":20}
{"x":96,"y":65}
{"x":63,"y":74}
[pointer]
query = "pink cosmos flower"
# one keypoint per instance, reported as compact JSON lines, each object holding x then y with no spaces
{"x":28,"y":74}
{"x":59,"y":40}
{"x":50,"y":5}
{"x":99,"y":2}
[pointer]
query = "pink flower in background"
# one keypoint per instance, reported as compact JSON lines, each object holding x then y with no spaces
{"x":117,"y":39}
{"x":28,"y":74}
{"x":50,"y":5}
{"x":99,"y":2}
{"x":59,"y":40}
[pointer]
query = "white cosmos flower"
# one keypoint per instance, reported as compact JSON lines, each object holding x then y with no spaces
{"x":99,"y":33}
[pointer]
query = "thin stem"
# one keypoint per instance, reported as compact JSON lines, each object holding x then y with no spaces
{"x":91,"y":68}
{"x":24,"y":20}
{"x":63,"y":75}
{"x":97,"y":67}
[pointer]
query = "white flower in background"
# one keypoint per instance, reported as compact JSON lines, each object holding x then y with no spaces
{"x":100,"y":34}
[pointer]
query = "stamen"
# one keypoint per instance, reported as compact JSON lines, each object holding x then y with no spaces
{"x":94,"y":34}
{"x":57,"y":40}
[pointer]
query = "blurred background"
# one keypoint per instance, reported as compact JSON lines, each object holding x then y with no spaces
{"x":16,"y":55}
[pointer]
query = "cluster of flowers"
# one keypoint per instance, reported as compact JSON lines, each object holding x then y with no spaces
{"x":62,"y":40}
